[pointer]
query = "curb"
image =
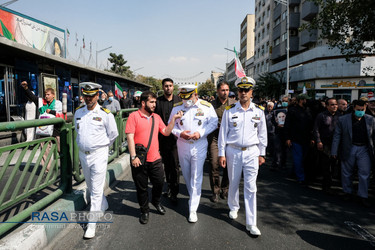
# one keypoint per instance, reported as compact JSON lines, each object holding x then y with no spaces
{"x":33,"y":236}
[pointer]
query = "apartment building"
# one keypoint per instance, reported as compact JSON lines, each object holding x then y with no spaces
{"x":313,"y":64}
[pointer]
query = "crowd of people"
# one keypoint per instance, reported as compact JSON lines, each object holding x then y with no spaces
{"x":236,"y":135}
{"x":328,"y":138}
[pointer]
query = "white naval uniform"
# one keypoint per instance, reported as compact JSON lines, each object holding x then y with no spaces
{"x":96,"y":131}
{"x":200,"y":117}
{"x":242,"y":138}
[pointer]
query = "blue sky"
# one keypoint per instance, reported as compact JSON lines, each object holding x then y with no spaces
{"x":163,"y":37}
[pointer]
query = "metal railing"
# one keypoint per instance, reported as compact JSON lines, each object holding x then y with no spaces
{"x":26,"y":168}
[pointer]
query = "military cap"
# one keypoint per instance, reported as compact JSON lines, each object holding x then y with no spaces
{"x":90,"y":88}
{"x":187,"y":90}
{"x":244,"y":82}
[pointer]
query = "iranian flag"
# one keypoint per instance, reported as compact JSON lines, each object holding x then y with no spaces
{"x":237,"y":66}
{"x":118,"y":91}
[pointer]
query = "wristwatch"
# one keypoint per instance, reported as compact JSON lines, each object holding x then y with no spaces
{"x":133,"y":157}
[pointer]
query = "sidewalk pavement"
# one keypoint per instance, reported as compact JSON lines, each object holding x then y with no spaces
{"x":37,"y":236}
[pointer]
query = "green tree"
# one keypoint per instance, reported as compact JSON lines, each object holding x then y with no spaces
{"x":270,"y":85}
{"x":207,"y":88}
{"x":118,"y":65}
{"x":149,"y":80}
{"x":347,"y":25}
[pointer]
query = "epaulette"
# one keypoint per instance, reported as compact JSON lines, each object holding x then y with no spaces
{"x":177,"y":104}
{"x":105,"y":110}
{"x":259,"y":107}
{"x":205,"y":103}
{"x":80,"y":107}
{"x":230,"y":106}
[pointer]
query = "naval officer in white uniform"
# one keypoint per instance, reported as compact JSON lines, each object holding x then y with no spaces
{"x":191,"y":130}
{"x":96,"y":131}
{"x":242,"y":147}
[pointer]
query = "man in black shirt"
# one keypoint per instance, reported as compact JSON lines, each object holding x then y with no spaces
{"x":355,"y":136}
{"x":298,"y":131}
{"x":324,"y":127}
{"x":125,"y":102}
{"x":168,"y":147}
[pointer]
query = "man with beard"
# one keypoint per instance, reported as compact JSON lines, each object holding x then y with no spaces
{"x":96,"y":131}
{"x":138,"y":130}
{"x":198,"y":121}
{"x":168,"y":147}
{"x":219,"y":104}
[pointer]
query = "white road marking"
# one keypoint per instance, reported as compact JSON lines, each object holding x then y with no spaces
{"x":361,"y":232}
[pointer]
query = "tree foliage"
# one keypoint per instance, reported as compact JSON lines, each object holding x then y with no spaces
{"x":149,"y":80}
{"x":270,"y":85}
{"x":207,"y":88}
{"x":347,"y":25}
{"x":118,"y":65}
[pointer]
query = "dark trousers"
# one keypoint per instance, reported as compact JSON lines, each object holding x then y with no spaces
{"x":216,"y":186}
{"x":154,"y":171}
{"x":279,"y":151}
{"x":169,"y":155}
{"x":327,"y":165}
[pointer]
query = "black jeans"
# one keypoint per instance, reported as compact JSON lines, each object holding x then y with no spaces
{"x":154,"y":171}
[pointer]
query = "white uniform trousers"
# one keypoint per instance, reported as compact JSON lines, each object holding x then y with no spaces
{"x":94,"y":166}
{"x":239,"y":161}
{"x":192,"y":157}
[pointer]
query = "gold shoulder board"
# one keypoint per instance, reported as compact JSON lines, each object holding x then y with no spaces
{"x":80,"y":107}
{"x":105,"y":110}
{"x":205,"y":103}
{"x":259,"y":107}
{"x":230,"y":106}
{"x":177,"y":104}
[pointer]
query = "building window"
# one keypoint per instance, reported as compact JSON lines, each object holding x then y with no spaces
{"x":277,"y":21}
{"x":283,"y":16}
{"x":276,"y":42}
{"x":283,"y":37}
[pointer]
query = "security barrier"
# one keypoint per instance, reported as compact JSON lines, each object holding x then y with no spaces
{"x":26,"y":168}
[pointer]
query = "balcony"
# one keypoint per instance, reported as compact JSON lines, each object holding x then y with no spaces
{"x":308,"y":37}
{"x":276,"y":32}
{"x":294,"y":20}
{"x":293,"y":44}
{"x":275,"y":52}
{"x":309,"y":10}
{"x":294,"y":2}
{"x":277,"y":12}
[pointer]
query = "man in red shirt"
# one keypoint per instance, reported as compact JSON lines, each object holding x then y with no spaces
{"x":138,"y":130}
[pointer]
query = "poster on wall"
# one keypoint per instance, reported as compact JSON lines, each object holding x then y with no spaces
{"x":31,"y":32}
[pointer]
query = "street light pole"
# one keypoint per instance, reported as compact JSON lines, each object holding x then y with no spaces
{"x":97,"y":52}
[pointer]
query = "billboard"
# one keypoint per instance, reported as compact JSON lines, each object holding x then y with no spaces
{"x":32,"y":33}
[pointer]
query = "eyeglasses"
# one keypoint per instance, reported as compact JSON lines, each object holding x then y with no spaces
{"x":244,"y":90}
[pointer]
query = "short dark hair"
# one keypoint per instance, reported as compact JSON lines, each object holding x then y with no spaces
{"x":328,"y":99}
{"x":147,"y":94}
{"x":218,"y":86}
{"x":166,"y":80}
{"x":359,"y":103}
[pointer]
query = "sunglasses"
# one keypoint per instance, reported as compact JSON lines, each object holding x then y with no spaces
{"x":243,"y":90}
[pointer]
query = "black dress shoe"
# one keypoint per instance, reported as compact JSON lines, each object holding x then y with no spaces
{"x":215,"y":198}
{"x":143,"y":219}
{"x":160,"y":208}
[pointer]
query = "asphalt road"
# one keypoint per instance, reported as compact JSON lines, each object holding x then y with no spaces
{"x":290,"y":216}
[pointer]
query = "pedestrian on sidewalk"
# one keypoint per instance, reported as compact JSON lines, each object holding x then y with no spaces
{"x":96,"y":131}
{"x":242,"y":148}
{"x":142,"y":129}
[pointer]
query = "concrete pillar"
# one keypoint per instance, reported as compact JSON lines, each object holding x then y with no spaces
{"x":329,"y":93}
{"x":354,"y":95}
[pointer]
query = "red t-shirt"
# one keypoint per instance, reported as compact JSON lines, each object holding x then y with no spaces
{"x":140,"y":126}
